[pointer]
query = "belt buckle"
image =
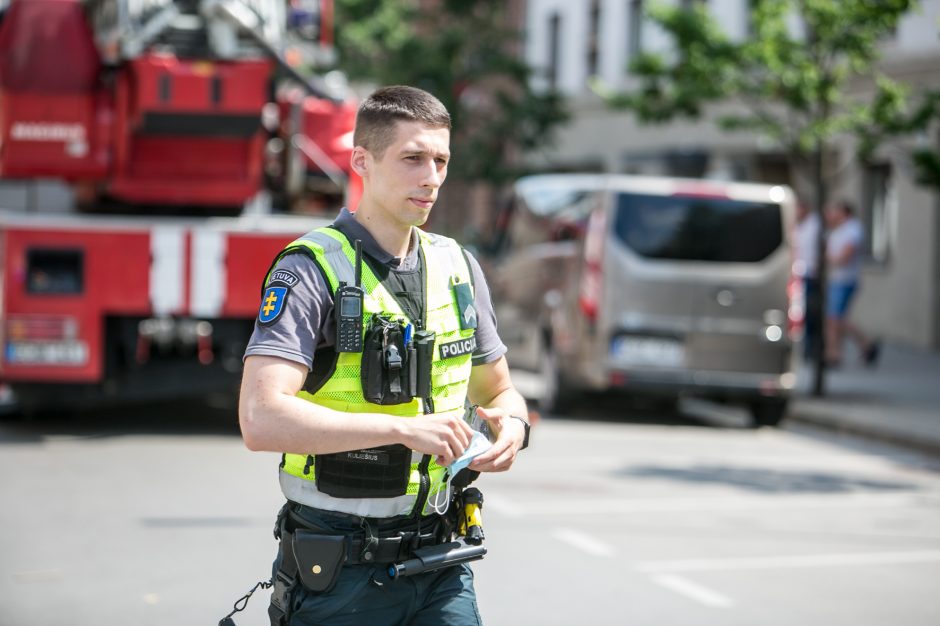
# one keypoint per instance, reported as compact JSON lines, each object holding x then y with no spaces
{"x":405,"y":545}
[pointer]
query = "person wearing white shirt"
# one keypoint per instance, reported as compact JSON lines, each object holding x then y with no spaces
{"x":805,"y":267}
{"x":843,"y":253}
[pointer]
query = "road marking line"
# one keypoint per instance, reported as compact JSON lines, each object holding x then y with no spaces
{"x":784,"y":562}
{"x":692,"y":590}
{"x":38,"y":576}
{"x":583,"y":541}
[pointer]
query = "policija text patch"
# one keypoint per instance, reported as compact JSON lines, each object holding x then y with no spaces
{"x":458,"y":348}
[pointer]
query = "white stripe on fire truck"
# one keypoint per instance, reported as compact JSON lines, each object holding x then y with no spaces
{"x":208,"y":278}
{"x":167,"y":275}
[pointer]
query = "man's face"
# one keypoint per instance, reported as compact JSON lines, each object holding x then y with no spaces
{"x":403,"y":184}
{"x":834,"y":216}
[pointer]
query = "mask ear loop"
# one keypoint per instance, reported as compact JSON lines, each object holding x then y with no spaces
{"x":437,"y":505}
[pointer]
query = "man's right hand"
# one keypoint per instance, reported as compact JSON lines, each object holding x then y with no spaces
{"x":445,"y":435}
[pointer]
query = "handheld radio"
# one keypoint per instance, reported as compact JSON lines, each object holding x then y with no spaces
{"x":348,"y":310}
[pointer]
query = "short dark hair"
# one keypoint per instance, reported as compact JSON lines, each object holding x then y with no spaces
{"x":375,"y":120}
{"x":846,"y":207}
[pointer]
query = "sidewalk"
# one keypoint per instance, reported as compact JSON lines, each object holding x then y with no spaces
{"x":898,"y":400}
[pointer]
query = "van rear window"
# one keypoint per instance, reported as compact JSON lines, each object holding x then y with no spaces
{"x":686,"y":228}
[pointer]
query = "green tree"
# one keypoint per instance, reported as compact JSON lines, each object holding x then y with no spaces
{"x":787,"y":80}
{"x":898,"y":120}
{"x":463,"y":53}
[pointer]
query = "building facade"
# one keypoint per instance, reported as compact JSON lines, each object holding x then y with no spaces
{"x":569,"y":43}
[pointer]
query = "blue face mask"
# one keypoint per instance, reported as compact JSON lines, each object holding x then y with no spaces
{"x":478,"y":445}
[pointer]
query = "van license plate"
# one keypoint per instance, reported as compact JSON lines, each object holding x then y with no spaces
{"x":629,"y":350}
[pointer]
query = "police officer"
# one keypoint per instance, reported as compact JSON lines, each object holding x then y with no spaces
{"x":365,"y":475}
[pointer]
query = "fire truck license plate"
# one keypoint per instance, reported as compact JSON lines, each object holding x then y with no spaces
{"x":47,"y":352}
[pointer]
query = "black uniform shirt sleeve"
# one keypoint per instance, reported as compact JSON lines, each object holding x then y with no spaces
{"x":489,"y":346}
{"x":306,"y":321}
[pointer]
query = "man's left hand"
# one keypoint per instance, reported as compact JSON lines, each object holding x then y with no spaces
{"x":509,"y":439}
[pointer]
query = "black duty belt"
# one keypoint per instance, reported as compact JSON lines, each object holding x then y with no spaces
{"x":380,"y":550}
{"x":386,"y":547}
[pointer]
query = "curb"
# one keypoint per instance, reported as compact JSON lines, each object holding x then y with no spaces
{"x":837,"y":423}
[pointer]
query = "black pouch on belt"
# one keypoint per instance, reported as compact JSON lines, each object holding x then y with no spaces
{"x":319,"y":559}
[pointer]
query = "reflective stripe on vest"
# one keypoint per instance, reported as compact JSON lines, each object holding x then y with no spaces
{"x":444,"y":265}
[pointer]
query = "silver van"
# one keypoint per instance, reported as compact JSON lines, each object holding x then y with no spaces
{"x":660,"y":285}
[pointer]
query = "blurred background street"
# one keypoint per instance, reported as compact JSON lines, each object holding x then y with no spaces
{"x":616,"y":514}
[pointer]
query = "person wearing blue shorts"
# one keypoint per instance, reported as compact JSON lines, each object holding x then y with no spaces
{"x":843,"y":251}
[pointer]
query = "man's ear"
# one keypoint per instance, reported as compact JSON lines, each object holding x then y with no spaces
{"x":359,"y":161}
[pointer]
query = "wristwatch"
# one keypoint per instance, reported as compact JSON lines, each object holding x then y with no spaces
{"x":525,"y":440}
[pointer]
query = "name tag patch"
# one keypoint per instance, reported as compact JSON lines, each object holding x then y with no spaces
{"x":370,"y":456}
{"x":458,"y":348}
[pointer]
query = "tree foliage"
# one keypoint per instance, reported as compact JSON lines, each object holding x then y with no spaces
{"x":893,"y":117}
{"x":462,"y":52}
{"x":791,"y":74}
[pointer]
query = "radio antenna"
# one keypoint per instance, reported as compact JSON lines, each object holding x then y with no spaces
{"x":358,"y":245}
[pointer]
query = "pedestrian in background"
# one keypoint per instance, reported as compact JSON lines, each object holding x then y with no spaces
{"x":806,"y":267}
{"x":844,"y":256}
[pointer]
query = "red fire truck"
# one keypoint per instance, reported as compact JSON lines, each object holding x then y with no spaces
{"x":186,"y":139}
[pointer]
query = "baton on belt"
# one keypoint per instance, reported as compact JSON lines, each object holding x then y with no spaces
{"x":467,"y":547}
{"x":437,"y":557}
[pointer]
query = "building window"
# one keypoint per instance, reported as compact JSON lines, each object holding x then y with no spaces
{"x":593,"y":43}
{"x":879,"y":202}
{"x":554,"y":44}
{"x":635,"y":28}
{"x":747,"y":13}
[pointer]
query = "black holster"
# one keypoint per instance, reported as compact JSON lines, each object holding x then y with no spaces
{"x":285,"y":578}
{"x":279,"y":611}
{"x":308,"y":558}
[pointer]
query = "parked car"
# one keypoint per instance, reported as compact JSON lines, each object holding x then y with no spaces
{"x":654,"y":285}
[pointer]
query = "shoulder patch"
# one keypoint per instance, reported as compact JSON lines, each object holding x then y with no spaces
{"x":272,"y":303}
{"x":284,"y":276}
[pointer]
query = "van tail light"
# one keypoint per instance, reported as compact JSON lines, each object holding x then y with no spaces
{"x":796,"y":307}
{"x":591,"y":290}
{"x":592,"y":280}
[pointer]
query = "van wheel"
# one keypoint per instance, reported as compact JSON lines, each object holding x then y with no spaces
{"x":768,"y":411}
{"x":556,"y":396}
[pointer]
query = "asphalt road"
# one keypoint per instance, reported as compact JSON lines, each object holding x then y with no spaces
{"x":157,"y":515}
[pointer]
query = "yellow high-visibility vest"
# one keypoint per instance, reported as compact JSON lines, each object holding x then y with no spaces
{"x":445,"y":266}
